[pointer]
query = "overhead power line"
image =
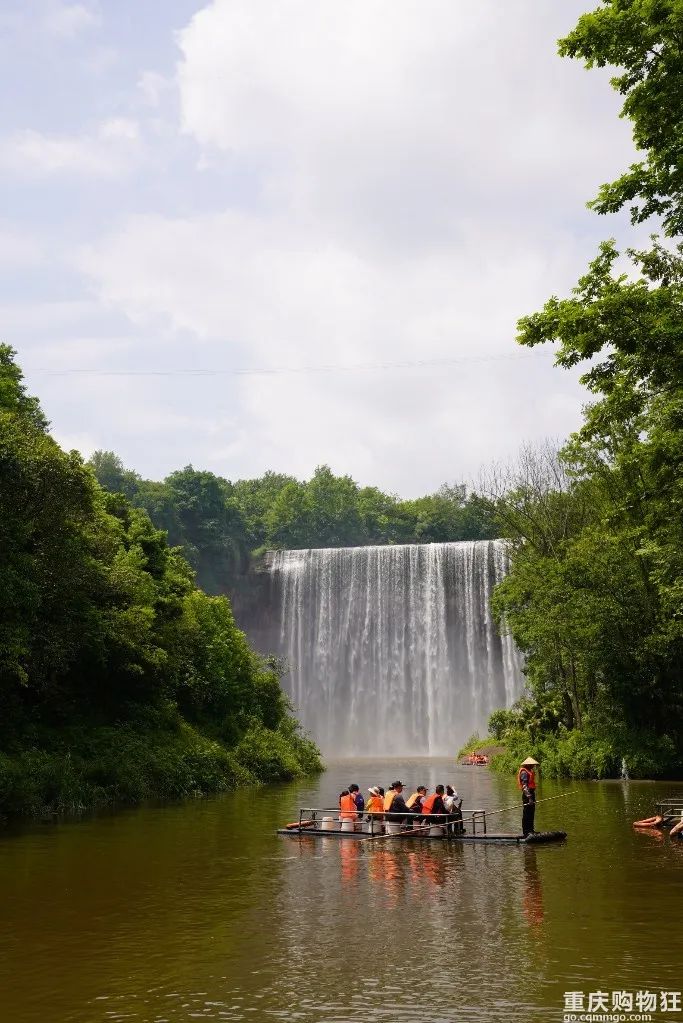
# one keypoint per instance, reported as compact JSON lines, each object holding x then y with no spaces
{"x":358,"y":367}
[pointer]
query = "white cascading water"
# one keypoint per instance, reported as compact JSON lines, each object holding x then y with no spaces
{"x":392,"y":650}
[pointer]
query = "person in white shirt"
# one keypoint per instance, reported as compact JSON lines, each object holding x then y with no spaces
{"x":452,"y":804}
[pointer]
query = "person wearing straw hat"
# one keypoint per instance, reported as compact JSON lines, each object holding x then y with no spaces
{"x":375,"y":804}
{"x":526,"y":779}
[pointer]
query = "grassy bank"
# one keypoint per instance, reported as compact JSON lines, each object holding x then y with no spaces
{"x":583,"y":754}
{"x":157,"y":756}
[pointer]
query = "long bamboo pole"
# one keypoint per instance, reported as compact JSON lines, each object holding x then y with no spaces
{"x":424,"y":827}
{"x":516,"y":806}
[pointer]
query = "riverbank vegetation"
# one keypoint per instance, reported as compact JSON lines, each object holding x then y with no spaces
{"x":220,"y":524}
{"x":594,"y":597}
{"x":119,"y":679}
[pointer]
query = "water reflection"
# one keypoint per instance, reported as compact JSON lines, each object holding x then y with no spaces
{"x":201,"y":911}
{"x":532,"y":901}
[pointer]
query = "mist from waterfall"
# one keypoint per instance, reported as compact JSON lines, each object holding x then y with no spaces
{"x":393,"y":649}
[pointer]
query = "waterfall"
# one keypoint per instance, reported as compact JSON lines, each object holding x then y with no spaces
{"x":392,"y":650}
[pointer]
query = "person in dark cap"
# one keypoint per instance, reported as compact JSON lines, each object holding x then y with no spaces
{"x":398,"y":804}
{"x":358,"y":797}
{"x":526,"y":779}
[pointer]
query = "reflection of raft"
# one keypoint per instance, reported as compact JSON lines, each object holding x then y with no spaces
{"x":318,"y":823}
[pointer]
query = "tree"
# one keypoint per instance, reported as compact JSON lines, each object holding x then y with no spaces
{"x":254,"y":497}
{"x":644,"y":38}
{"x":594,"y":596}
{"x":47,"y":501}
{"x":381,"y":518}
{"x":112,"y":475}
{"x":103,"y":636}
{"x":323,"y":512}
{"x":333,"y":501}
{"x":210,"y":526}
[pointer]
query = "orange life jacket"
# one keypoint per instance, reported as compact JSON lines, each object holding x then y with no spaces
{"x":388,"y":800}
{"x":412,"y":799}
{"x":531,"y":784}
{"x":375,"y":804}
{"x":347,"y":808}
{"x":429,"y":801}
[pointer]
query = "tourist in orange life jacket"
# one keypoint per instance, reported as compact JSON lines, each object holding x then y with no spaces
{"x":526,"y":779}
{"x":347,"y":807}
{"x":388,"y":797}
{"x":375,"y":804}
{"x":434,"y":803}
{"x":414,"y":801}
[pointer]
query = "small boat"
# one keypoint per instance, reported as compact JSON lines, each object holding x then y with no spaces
{"x":325,"y":823}
{"x":475,"y":760}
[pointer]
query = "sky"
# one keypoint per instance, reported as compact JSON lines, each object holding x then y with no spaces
{"x":272,"y":234}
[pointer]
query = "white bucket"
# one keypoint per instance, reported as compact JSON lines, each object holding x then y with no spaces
{"x":393,"y":829}
{"x":437,"y":830}
{"x":329,"y":824}
{"x":348,"y":825}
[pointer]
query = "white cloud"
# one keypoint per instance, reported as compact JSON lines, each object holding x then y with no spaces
{"x":66,"y":20}
{"x":389,"y":118}
{"x":417,"y":174}
{"x":113,"y":149}
{"x":251,"y":297}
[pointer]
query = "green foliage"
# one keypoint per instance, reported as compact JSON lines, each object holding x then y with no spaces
{"x":501,"y":723}
{"x":472,"y":744}
{"x":136,"y":761}
{"x":592,"y":752}
{"x":644,"y":39}
{"x":594,"y":597}
{"x":219,"y":524}
{"x":254,"y":498}
{"x":573,"y":754}
{"x":111,"y":474}
{"x":118,"y":678}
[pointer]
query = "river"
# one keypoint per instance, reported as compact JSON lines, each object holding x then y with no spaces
{"x":200,"y":911}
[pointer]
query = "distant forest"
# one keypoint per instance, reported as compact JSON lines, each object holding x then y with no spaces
{"x":220,"y":524}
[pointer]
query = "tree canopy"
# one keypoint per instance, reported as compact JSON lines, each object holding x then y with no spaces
{"x":643,"y":39}
{"x":595,"y":594}
{"x":101,"y":625}
{"x":218,"y":523}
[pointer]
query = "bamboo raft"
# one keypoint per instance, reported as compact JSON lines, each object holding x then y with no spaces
{"x":319,"y":822}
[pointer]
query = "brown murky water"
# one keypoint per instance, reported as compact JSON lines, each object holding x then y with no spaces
{"x":199,"y":911}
